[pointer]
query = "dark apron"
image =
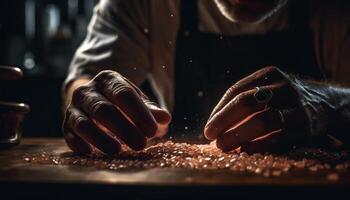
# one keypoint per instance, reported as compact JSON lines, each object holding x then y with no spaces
{"x":208,"y":64}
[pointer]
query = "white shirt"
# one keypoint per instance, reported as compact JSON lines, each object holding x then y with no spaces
{"x":137,"y":38}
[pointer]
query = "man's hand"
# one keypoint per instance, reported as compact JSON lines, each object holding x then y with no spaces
{"x":265,"y":111}
{"x":109,"y":110}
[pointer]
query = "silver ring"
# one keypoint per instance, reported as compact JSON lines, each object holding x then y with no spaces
{"x":263,"y":95}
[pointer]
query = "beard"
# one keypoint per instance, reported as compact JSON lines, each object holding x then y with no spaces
{"x":249,"y":11}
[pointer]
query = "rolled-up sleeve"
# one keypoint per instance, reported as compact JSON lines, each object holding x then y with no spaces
{"x":117,"y":39}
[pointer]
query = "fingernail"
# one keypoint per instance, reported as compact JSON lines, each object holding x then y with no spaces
{"x":154,"y":105}
{"x":209,"y":132}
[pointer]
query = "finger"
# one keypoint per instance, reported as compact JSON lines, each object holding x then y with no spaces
{"x":90,"y":133}
{"x":278,"y":141}
{"x":10,"y":73}
{"x":265,"y":76}
{"x":107,"y":115}
{"x":162,"y":116}
{"x":74,"y":142}
{"x":271,"y":142}
{"x":235,"y":111}
{"x":258,"y":125}
{"x":123,"y":95}
{"x":244,"y":105}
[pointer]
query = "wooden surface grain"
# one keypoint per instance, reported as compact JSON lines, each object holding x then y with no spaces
{"x":16,"y":173}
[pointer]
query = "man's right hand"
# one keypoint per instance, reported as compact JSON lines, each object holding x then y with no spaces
{"x":109,"y":110}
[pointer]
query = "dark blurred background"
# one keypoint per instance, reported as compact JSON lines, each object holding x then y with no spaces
{"x":40,"y":37}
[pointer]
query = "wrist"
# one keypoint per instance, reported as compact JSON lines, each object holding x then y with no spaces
{"x":327,"y":108}
{"x":318,"y":104}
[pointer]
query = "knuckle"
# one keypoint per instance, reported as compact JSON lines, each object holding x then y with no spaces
{"x":80,"y":93}
{"x":101,"y":107}
{"x":274,"y":72}
{"x":105,"y":74}
{"x":111,"y":83}
{"x":242,"y":98}
{"x":123,"y":90}
{"x":80,"y":124}
{"x":271,"y":69}
{"x":232,"y":89}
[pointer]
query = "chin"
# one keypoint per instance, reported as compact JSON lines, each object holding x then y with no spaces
{"x":249,"y":11}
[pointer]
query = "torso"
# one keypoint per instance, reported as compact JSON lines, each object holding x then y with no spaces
{"x":208,"y":63}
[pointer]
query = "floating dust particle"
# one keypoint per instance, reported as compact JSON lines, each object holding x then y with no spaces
{"x":193,"y":156}
{"x":200,"y":93}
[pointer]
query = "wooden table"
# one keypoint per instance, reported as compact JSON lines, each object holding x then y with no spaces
{"x":20,"y":179}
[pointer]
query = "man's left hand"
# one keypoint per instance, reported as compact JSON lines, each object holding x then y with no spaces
{"x":262,"y":112}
